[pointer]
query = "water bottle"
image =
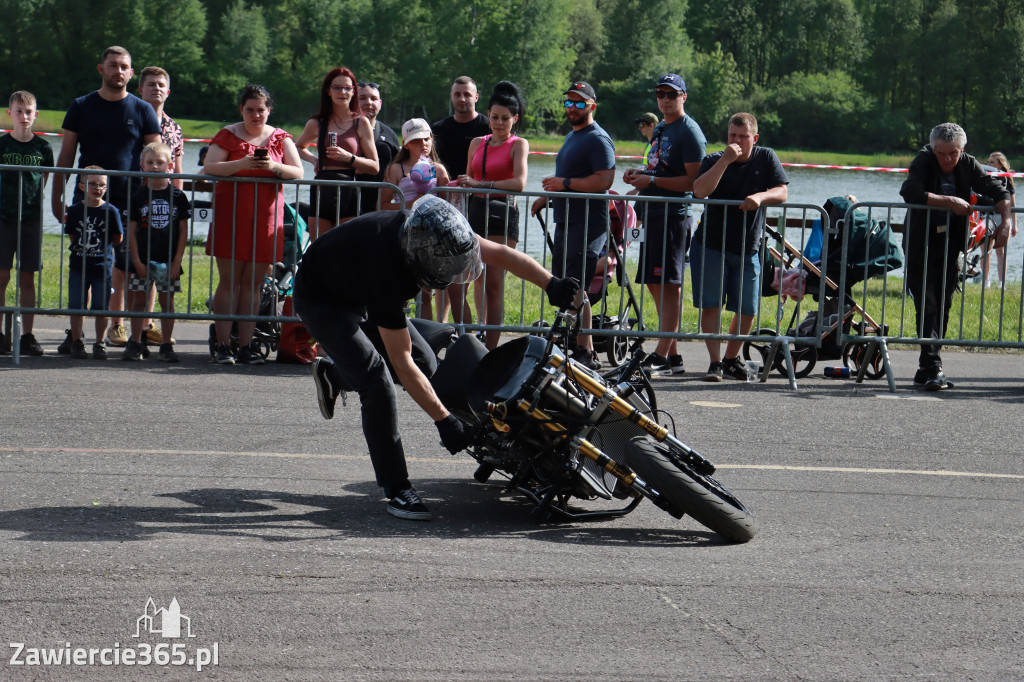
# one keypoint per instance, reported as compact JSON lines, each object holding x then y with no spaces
{"x":838,"y":372}
{"x":753,"y":371}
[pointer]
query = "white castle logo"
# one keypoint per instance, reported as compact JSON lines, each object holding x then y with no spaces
{"x":164,"y":622}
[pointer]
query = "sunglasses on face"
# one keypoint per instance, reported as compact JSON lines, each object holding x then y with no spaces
{"x":573,"y":104}
{"x":375,"y":86}
{"x":666,"y":94}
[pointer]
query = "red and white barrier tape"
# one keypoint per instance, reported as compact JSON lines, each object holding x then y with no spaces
{"x":879,"y":169}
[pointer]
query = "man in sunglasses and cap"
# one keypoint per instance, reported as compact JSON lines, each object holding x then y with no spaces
{"x":676,"y":150}
{"x":351,"y":291}
{"x":585,"y":163}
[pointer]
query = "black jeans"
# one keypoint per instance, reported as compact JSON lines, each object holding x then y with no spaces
{"x":359,"y":364}
{"x":932,"y":280}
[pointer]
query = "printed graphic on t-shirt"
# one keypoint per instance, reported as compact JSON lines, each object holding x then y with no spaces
{"x":156,"y":215}
{"x":92,"y":231}
{"x":660,"y":148}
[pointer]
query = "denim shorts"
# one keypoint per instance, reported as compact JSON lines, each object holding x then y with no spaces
{"x":90,"y":280}
{"x":741,"y":276}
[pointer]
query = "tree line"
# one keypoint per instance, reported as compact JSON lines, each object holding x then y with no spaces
{"x":840,"y":75}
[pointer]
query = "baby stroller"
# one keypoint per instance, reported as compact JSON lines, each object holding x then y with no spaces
{"x":276,"y":286}
{"x":611,"y":266}
{"x":872,"y":250}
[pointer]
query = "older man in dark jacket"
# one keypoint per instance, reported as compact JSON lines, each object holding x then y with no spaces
{"x":944,"y":178}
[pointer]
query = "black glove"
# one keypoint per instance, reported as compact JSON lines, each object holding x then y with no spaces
{"x":562,"y":292}
{"x":454,"y":436}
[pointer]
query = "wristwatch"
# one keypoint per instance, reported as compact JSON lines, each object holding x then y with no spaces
{"x":651,"y":182}
{"x":565,"y":183}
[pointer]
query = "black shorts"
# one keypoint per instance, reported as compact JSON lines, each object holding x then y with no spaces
{"x":30,"y":255}
{"x":663,"y":252}
{"x":572,"y":257}
{"x":332,"y":203}
{"x":494,"y":217}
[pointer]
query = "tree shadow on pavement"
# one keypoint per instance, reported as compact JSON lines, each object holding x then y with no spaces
{"x":461,"y":509}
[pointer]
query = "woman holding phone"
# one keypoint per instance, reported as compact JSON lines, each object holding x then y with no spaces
{"x":246,"y":235}
{"x":344,"y":145}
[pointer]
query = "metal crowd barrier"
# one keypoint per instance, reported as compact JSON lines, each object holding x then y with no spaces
{"x":885,"y":317}
{"x":196,"y":265}
{"x":796,"y":218}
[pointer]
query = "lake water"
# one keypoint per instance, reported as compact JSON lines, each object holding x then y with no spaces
{"x":807,"y":186}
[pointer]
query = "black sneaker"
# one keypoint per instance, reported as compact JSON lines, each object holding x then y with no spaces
{"x":656,"y":364}
{"x":408,"y":505}
{"x":224,"y":356}
{"x":132,"y":351}
{"x":586,"y":358}
{"x":65,"y":346}
{"x":167,"y":353}
{"x":735,"y":368}
{"x":29,"y":345}
{"x":249,"y":355}
{"x":653,"y":360}
{"x":714,"y":372}
{"x":936,"y":380}
{"x":99,"y":351}
{"x":78,"y":351}
{"x":921,"y":376}
{"x":326,"y":393}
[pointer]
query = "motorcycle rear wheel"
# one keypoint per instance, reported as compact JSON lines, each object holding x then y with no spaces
{"x":699,"y":496}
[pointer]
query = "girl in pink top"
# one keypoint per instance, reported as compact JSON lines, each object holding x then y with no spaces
{"x":496,"y":162}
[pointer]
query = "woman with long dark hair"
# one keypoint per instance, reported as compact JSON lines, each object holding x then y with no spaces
{"x":340,"y":120}
{"x":496,"y":161}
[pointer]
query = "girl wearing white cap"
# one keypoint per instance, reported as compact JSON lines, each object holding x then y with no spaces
{"x":416,"y":171}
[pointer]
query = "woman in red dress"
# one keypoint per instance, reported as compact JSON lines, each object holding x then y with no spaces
{"x":247,"y":217}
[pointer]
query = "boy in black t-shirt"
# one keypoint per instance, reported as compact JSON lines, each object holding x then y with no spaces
{"x":157,"y":231}
{"x":21,"y":216}
{"x":95,"y":229}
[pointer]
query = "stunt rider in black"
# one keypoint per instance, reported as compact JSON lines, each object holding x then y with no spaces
{"x":351,"y":290}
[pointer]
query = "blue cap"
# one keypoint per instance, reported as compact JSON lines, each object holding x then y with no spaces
{"x":674,"y":81}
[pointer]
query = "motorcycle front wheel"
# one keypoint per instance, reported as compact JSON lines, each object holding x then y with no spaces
{"x":689,"y":492}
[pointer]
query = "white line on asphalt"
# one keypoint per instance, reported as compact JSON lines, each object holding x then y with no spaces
{"x":861,"y":470}
{"x":442,"y":460}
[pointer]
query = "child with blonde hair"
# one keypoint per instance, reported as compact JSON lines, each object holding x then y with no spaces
{"x":157,"y":232}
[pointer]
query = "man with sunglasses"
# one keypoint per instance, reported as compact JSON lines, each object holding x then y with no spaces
{"x":676,"y":150}
{"x":585,"y":163}
{"x":384,"y":139}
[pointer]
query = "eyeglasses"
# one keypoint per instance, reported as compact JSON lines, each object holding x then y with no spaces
{"x":342,"y":88}
{"x":371,"y":84}
{"x":573,"y":104}
{"x":667,"y":94}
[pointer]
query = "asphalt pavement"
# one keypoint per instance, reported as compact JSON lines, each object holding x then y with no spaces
{"x":889,"y":544}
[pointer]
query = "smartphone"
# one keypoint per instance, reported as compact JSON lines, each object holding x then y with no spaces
{"x":261,"y":153}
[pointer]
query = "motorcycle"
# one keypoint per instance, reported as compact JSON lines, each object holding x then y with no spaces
{"x":562,"y":433}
